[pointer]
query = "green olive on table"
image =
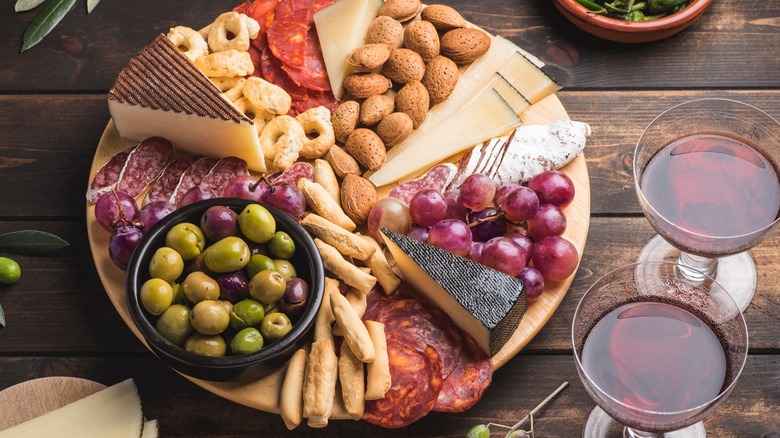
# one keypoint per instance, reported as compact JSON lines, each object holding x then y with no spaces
{"x":259,"y":262}
{"x":267,"y":286}
{"x":210,"y":317}
{"x":286,"y":269}
{"x":174,"y":324}
{"x":198,"y":286}
{"x":156,"y":295}
{"x":167,"y":264}
{"x":275,"y":325}
{"x":257,"y":223}
{"x":246,"y":313}
{"x":187,"y":239}
{"x":206,"y":345}
{"x":247,"y":341}
{"x":281,"y":246}
{"x":227,"y":255}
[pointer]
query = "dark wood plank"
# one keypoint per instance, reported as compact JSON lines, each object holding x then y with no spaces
{"x":726,"y":48}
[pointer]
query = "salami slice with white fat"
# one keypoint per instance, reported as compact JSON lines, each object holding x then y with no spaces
{"x":437,"y":178}
{"x":226,"y":169}
{"x":165,"y":185}
{"x":107,"y":176}
{"x":192,"y":177}
{"x":145,"y":163}
{"x":293,"y":173}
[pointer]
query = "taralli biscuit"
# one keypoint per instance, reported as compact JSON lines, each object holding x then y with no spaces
{"x":347,"y":243}
{"x":230,"y":85}
{"x":323,"y":204}
{"x":232,"y":31}
{"x":320,"y":137}
{"x":291,"y":394}
{"x":319,"y":388}
{"x":189,"y":41}
{"x":229,"y":63}
{"x":346,"y":271}
{"x":378,"y":379}
{"x":265,"y":95}
{"x":258,"y":116}
{"x":281,"y":141}
{"x":380,"y":268}
{"x":352,"y":328}
{"x":353,"y":384}
{"x":325,"y":176}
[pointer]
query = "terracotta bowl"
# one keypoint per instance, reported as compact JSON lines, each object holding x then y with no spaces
{"x":630,"y":31}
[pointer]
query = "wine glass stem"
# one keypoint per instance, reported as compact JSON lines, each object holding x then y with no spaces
{"x":695,"y":267}
{"x":633,"y":433}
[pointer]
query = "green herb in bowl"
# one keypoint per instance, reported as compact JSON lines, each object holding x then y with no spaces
{"x":633,"y":10}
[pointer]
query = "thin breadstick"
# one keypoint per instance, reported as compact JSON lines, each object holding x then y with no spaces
{"x":322,"y":325}
{"x":378,"y":379}
{"x":355,"y":333}
{"x":359,"y":302}
{"x":320,"y":382}
{"x":353,"y":385}
{"x":323,"y":204}
{"x":349,"y":273}
{"x":347,"y":243}
{"x":381,"y":269}
{"x":291,"y":394}
{"x":326,"y":177}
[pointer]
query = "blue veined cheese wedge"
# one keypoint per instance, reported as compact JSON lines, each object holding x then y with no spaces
{"x":161,"y":93}
{"x":483,"y":302}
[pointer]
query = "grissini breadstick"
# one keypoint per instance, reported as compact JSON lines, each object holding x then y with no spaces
{"x":320,"y":383}
{"x":326,"y":177}
{"x":353,"y":329}
{"x":347,"y":243}
{"x":322,"y":325}
{"x":378,"y":379}
{"x":291,"y":394}
{"x":349,"y":273}
{"x":324,"y":205}
{"x":359,"y":302}
{"x":381,"y":269}
{"x":353,"y":385}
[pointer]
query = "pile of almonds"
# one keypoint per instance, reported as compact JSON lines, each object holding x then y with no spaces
{"x":406,"y":66}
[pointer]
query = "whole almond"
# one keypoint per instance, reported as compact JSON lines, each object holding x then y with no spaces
{"x":404,"y":65}
{"x":413,"y":100}
{"x":369,"y":57}
{"x":375,"y":108}
{"x":358,"y":195}
{"x":422,"y":37}
{"x":385,"y":30}
{"x":443,"y":17}
{"x":464,"y":45}
{"x":342,"y":163}
{"x":401,"y":10}
{"x":345,"y":120}
{"x":363,"y":85}
{"x":441,"y":76}
{"x":394,"y":128}
{"x":366,"y":148}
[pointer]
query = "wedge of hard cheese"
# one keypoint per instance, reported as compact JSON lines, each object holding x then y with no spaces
{"x":483,"y":302}
{"x":161,"y":93}
{"x":113,"y":412}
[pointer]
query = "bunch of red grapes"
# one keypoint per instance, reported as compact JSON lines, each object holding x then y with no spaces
{"x":515,"y":229}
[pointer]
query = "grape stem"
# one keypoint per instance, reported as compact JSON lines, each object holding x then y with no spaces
{"x":536,"y":410}
{"x":498,"y":214}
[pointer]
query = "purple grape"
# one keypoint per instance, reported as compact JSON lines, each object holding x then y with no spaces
{"x":520,"y":204}
{"x":504,"y":255}
{"x":389,"y":213}
{"x":233,"y":286}
{"x":555,"y":257}
{"x":295,"y":298}
{"x":493,"y":226}
{"x":152,"y":213}
{"x":219,"y":222}
{"x":504,"y":190}
{"x":114,"y":207}
{"x":553,"y":187}
{"x":122,"y":243}
{"x":524,"y":241}
{"x":454,"y":208}
{"x":419,"y":233}
{"x":451,"y":235}
{"x":247,"y":187}
{"x":288,"y":198}
{"x":427,"y":207}
{"x":193,"y":195}
{"x":475,"y":252}
{"x":548,"y":221}
{"x":533,"y":281}
{"x":477,"y":191}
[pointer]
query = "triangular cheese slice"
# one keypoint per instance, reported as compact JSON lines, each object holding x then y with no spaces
{"x":161,"y":93}
{"x":483,"y":302}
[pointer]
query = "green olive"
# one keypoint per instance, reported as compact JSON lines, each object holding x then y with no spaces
{"x":267,"y":286}
{"x":156,"y":295}
{"x":198,"y":286}
{"x":206,"y":345}
{"x":227,"y":305}
{"x":167,"y":264}
{"x":179,"y":297}
{"x":275,"y":325}
{"x":281,"y":245}
{"x":187,"y":239}
{"x":247,"y":341}
{"x":246,"y":313}
{"x":210,"y":317}
{"x":286,"y":268}
{"x":9,"y":270}
{"x":257,"y":263}
{"x":227,"y":255}
{"x":174,"y":324}
{"x":257,"y":223}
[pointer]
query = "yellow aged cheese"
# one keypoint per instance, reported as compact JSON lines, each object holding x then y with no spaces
{"x":342,"y":27}
{"x":509,"y":93}
{"x":485,"y":117}
{"x":113,"y":412}
{"x":527,"y":78}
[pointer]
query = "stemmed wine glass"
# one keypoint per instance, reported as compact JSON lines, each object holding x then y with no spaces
{"x":656,"y":350}
{"x":706,"y":175}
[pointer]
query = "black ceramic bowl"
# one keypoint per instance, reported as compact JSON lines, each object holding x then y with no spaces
{"x":308,"y":266}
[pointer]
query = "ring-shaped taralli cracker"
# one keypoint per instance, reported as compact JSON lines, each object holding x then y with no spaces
{"x":282,"y":140}
{"x":229,"y":63}
{"x":231,"y":88}
{"x":189,"y":41}
{"x":231,"y":24}
{"x":258,"y":115}
{"x":263,"y":94}
{"x":318,"y":130}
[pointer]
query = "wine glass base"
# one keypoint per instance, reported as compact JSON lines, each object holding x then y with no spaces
{"x":735,"y":273}
{"x":601,"y":425}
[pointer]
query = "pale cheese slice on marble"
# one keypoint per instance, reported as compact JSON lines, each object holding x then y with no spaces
{"x":483,"y":302}
{"x":113,"y":412}
{"x":161,"y":93}
{"x":342,"y":27}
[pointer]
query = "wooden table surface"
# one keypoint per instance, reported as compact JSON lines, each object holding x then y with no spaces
{"x":53,"y":110}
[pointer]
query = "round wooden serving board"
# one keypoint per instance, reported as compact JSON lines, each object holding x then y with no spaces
{"x":263,"y":394}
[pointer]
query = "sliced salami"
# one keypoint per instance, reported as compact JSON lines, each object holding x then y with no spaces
{"x":226,"y":169}
{"x":191,"y":178}
{"x":313,"y":74}
{"x":468,"y":382}
{"x":293,"y":173}
{"x":272,"y":72}
{"x":107,"y":176}
{"x":144,"y":164}
{"x":287,"y":37}
{"x":165,"y":185}
{"x":437,"y":178}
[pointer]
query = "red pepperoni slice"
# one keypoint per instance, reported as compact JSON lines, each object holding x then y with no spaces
{"x":416,"y":383}
{"x":191,"y":178}
{"x":468,"y":382}
{"x":165,"y":185}
{"x":257,"y":60}
{"x":287,"y":37}
{"x":144,"y":164}
{"x":226,"y":169}
{"x":312,"y":74}
{"x":272,"y":72}
{"x":107,"y":176}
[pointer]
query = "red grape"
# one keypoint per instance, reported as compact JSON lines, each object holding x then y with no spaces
{"x":451,"y":235}
{"x":288,"y":198}
{"x":504,"y":190}
{"x":504,"y":255}
{"x":553,"y":187}
{"x":548,"y":221}
{"x":419,"y":233}
{"x":477,"y":191}
{"x":427,"y":207}
{"x":475,"y":252}
{"x":114,"y":207}
{"x":454,"y":208}
{"x":520,"y":204}
{"x":247,"y":187}
{"x":524,"y":241}
{"x":389,"y":213}
{"x":122,"y":243}
{"x":533,"y":281}
{"x":152,"y":213}
{"x":555,"y":257}
{"x":193,"y":195}
{"x":486,"y":224}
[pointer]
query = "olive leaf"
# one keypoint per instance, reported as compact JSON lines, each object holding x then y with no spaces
{"x":31,"y":242}
{"x":2,"y":317}
{"x":45,"y":21}
{"x":91,"y":4}
{"x":26,"y":5}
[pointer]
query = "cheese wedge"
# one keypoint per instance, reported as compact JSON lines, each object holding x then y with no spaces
{"x":161,"y":93}
{"x":113,"y":412}
{"x":485,"y":117}
{"x":533,"y":83}
{"x":342,"y":27}
{"x":483,"y":302}
{"x":151,"y":429}
{"x":511,"y":96}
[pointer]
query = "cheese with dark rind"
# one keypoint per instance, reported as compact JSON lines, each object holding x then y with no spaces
{"x":483,"y":302}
